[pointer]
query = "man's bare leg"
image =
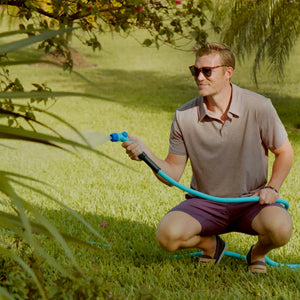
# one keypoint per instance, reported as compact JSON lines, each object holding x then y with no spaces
{"x":274,"y":227}
{"x":179,"y":230}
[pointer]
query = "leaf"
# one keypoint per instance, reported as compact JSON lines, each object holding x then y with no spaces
{"x":9,"y":47}
{"x":5,"y":294}
{"x":7,"y":132}
{"x":26,"y":135}
{"x":71,"y":211}
{"x":147,"y":42}
{"x":48,"y":94}
{"x":21,"y":31}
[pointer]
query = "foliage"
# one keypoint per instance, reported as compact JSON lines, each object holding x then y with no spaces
{"x":19,"y":286}
{"x":20,"y":216}
{"x":167,"y":21}
{"x":266,"y":29}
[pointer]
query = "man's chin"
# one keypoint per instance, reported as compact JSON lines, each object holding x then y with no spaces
{"x":202,"y":93}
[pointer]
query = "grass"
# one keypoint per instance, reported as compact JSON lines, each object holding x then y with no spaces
{"x":146,"y":86}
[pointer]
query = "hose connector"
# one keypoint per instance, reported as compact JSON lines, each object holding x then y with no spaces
{"x":119,"y":137}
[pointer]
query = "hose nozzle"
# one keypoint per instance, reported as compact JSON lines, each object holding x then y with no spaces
{"x":119,"y":137}
{"x":123,"y":137}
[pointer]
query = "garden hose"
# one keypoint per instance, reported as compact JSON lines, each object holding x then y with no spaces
{"x":123,"y":137}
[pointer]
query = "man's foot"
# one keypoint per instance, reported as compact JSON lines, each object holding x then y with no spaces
{"x":256,"y":267}
{"x":219,"y":253}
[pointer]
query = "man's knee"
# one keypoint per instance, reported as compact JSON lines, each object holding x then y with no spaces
{"x":175,"y":230}
{"x":168,"y":237}
{"x":281,"y":232}
{"x":283,"y":236}
{"x":275,"y":223}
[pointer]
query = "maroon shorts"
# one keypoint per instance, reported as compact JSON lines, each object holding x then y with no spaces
{"x":217,"y":218}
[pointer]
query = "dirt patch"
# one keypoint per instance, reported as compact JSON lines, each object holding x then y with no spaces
{"x":79,"y":61}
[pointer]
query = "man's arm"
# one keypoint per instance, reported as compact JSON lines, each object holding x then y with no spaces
{"x":173,"y":165}
{"x":284,"y":157}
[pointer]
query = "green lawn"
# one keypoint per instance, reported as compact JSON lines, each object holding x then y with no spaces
{"x":146,"y":86}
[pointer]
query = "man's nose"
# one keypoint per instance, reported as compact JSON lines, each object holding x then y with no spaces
{"x":200,"y":76}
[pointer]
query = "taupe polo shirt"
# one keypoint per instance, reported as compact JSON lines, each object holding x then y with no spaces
{"x":228,"y":159}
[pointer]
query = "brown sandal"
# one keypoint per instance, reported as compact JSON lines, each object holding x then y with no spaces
{"x":257,"y":267}
{"x":219,"y":253}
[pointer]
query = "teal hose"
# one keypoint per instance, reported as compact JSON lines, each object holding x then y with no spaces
{"x":212,"y":198}
{"x":123,"y":137}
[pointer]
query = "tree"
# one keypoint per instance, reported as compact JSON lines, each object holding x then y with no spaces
{"x":268,"y":29}
{"x":167,"y":21}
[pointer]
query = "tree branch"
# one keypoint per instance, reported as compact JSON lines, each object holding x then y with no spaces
{"x":78,"y":15}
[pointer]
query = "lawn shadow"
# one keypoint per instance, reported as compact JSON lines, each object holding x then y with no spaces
{"x":157,"y":92}
{"x":288,"y":108}
{"x":130,"y":242}
{"x":121,"y":239}
{"x":140,"y":90}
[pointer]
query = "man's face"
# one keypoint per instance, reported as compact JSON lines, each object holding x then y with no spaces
{"x":219,"y":78}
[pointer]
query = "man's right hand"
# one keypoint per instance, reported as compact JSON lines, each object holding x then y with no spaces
{"x":134,"y":147}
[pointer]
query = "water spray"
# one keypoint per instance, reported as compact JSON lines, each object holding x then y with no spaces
{"x":123,"y":137}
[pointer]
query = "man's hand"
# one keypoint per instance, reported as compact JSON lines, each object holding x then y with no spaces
{"x":134,"y":147}
{"x":267,"y":196}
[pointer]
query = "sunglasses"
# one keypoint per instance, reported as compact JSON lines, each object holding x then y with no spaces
{"x":206,"y":71}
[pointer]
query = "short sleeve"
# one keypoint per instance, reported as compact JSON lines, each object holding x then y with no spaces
{"x":176,"y":141}
{"x":272,"y":131}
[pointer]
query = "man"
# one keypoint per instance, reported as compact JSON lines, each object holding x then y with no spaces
{"x":226,"y":133}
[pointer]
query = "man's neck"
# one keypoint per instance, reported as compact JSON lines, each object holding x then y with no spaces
{"x":219,"y":104}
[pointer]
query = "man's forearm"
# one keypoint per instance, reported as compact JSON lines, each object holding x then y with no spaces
{"x":281,"y":166}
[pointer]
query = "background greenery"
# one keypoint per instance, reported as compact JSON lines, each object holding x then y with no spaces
{"x":146,"y":86}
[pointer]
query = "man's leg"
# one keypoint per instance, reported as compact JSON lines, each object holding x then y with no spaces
{"x":178,"y":230}
{"x":274,"y":227}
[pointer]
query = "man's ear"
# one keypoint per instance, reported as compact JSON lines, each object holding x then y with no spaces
{"x":229,"y":72}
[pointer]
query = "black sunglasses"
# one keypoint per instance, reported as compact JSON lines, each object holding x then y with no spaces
{"x":206,"y":71}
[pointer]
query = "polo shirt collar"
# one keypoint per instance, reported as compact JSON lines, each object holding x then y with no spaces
{"x":235,"y":108}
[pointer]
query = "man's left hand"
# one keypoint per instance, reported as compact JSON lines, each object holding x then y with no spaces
{"x":267,"y":196}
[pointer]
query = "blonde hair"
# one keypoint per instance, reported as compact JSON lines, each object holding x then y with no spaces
{"x":226,"y":55}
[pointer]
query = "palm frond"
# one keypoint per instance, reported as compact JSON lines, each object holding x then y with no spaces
{"x":13,"y":46}
{"x":5,"y":294}
{"x":20,"y":134}
{"x":12,"y":178}
{"x":49,"y":94}
{"x":20,"y":31}
{"x":20,"y":222}
{"x":267,"y":30}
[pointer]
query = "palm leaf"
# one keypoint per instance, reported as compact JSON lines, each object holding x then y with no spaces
{"x":71,"y":211}
{"x":20,"y":31}
{"x":22,"y":221}
{"x":13,"y":46}
{"x":13,"y":225}
{"x":48,"y":94}
{"x":5,"y":294}
{"x":29,"y":62}
{"x":266,"y":29}
{"x":49,"y":140}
